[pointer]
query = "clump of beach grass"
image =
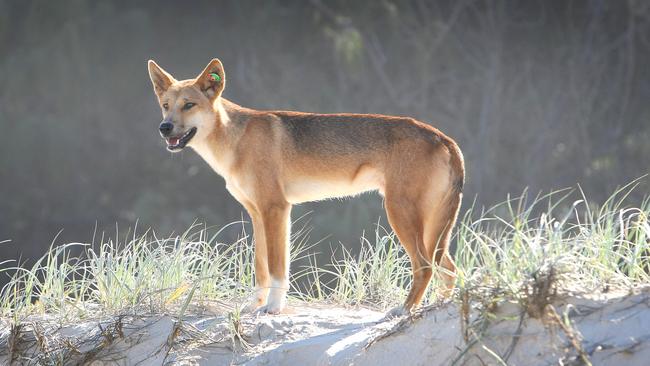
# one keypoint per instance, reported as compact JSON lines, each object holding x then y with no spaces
{"x":526,"y":250}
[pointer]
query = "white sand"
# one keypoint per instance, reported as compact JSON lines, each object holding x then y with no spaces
{"x":615,"y":330}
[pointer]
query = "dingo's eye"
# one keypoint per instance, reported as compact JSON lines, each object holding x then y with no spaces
{"x":188,"y":105}
{"x":166,"y":106}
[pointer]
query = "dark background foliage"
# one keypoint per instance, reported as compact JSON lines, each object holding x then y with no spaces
{"x":539,"y":94}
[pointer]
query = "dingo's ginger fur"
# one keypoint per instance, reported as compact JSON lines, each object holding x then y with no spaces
{"x":273,"y":159}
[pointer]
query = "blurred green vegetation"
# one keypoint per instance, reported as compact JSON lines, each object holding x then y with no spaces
{"x":544,"y":94}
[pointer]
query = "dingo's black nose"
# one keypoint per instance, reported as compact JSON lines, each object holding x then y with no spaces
{"x":166,"y":128}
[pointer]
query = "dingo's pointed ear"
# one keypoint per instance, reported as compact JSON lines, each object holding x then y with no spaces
{"x":160,"y":78}
{"x":212,"y":80}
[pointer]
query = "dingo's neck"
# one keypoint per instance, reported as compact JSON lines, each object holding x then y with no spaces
{"x":217,"y":148}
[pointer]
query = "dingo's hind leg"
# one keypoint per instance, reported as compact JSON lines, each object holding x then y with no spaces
{"x":422,"y":206}
{"x":407,"y":223}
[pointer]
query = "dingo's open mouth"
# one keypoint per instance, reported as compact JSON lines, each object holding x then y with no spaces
{"x":178,"y":143}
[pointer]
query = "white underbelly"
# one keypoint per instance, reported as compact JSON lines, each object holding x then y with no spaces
{"x":306,"y":189}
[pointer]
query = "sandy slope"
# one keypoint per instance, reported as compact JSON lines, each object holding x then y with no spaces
{"x":614,"y":330}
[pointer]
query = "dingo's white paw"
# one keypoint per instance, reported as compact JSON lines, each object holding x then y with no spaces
{"x":275,"y":304}
{"x":277,"y":299}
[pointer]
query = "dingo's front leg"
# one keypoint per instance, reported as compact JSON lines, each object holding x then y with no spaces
{"x":276,"y":220}
{"x":262,"y":280}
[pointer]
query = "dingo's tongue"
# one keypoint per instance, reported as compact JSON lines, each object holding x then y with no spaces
{"x":173,"y":141}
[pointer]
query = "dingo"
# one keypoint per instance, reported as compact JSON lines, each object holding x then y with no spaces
{"x":273,"y":159}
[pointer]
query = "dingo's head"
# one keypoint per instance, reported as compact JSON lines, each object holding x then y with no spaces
{"x":189,"y":107}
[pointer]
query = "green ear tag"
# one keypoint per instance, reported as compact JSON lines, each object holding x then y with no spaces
{"x":215,"y":77}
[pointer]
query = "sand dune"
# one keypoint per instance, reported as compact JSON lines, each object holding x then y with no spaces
{"x":605,"y":329}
